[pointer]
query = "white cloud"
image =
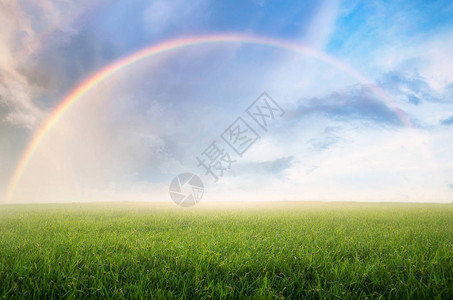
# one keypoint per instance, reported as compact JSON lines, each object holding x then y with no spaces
{"x":24,"y":27}
{"x":162,"y":15}
{"x":322,"y":25}
{"x":16,"y":37}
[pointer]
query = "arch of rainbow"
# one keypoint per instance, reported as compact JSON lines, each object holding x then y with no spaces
{"x":179,"y":43}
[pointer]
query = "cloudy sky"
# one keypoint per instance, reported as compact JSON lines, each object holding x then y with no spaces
{"x":373,"y":123}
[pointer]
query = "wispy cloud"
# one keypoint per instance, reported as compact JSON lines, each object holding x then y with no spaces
{"x":272,"y":167}
{"x":322,"y":25}
{"x":447,"y":121}
{"x":329,"y":137}
{"x":409,"y":85}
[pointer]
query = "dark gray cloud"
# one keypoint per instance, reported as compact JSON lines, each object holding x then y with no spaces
{"x":447,"y":121}
{"x":357,"y":103}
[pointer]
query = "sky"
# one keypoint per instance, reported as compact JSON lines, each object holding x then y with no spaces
{"x":368,"y":105}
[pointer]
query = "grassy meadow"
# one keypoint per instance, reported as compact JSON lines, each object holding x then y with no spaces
{"x":263,"y":250}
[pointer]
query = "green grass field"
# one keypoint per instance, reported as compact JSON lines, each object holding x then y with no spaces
{"x":263,"y":250}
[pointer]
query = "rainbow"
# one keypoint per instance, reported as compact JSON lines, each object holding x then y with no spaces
{"x":170,"y":45}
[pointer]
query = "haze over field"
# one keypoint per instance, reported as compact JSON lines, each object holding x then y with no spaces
{"x":368,"y":103}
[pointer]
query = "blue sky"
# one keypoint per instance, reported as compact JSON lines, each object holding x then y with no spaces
{"x":128,"y":137}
